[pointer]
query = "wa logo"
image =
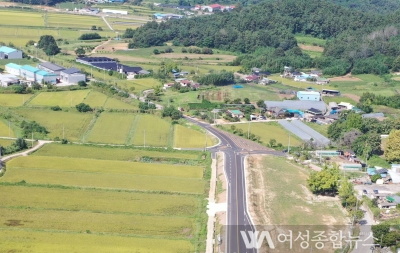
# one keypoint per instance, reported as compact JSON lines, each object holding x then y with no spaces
{"x":255,"y":239}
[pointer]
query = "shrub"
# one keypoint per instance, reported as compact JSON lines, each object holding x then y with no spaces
{"x":82,"y":107}
{"x":89,"y":36}
{"x":56,"y":108}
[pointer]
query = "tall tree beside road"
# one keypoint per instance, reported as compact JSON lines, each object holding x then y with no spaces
{"x":48,"y":44}
{"x":392,"y":151}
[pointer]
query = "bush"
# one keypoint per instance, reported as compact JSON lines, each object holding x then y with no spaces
{"x":89,"y":36}
{"x":82,"y":83}
{"x":56,"y":108}
{"x":82,"y":107}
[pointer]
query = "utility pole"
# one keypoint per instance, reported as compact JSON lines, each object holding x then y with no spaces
{"x":248,"y":131}
{"x":144,"y":138}
{"x":205,"y":148}
{"x":288,"y":146}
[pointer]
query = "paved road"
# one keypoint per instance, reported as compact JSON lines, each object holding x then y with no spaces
{"x":238,"y":216}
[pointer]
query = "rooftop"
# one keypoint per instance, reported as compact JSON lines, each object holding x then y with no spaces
{"x":29,"y":68}
{"x":95,"y":59}
{"x":51,"y":66}
{"x":373,"y":115}
{"x":71,"y":71}
{"x":296,"y":104}
{"x":44,"y":73}
{"x":13,"y":65}
{"x":7,"y":50}
{"x":237,"y":112}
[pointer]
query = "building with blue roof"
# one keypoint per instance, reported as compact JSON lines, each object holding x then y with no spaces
{"x":29,"y":73}
{"x":13,"y":68}
{"x":46,"y":77}
{"x":10,"y":53}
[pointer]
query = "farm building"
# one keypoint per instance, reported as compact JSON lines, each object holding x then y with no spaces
{"x":51,"y":67}
{"x":331,"y":92}
{"x":8,"y":79}
{"x":118,"y":67}
{"x":328,"y":153}
{"x":10,"y":53}
{"x":72,"y":75}
{"x":345,"y":105}
{"x":295,"y":105}
{"x":46,"y":77}
{"x":13,"y":68}
{"x":322,"y":81}
{"x":92,"y":60}
{"x":309,"y":95}
{"x":377,"y":115}
{"x":236,"y":113}
{"x":29,"y":72}
{"x":115,"y":11}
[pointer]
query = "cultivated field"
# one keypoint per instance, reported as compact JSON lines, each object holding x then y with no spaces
{"x":5,"y":142}
{"x":95,"y":99}
{"x":268,"y":131}
{"x":111,"y":128}
{"x":75,"y":124}
{"x":75,"y":21}
{"x":21,"y":18}
{"x":12,"y":100}
{"x":158,"y":131}
{"x":190,"y":138}
{"x":63,"y":98}
{"x":113,"y":103}
{"x":5,"y":130}
{"x":109,"y":153}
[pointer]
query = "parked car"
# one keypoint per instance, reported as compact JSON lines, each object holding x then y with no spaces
{"x":368,"y":183}
{"x":376,"y":191}
{"x":365,"y":191}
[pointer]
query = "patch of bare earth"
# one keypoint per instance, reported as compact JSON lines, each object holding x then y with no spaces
{"x":352,"y":96}
{"x":114,"y":47}
{"x":347,"y":78}
{"x":311,"y":48}
{"x":286,"y":96}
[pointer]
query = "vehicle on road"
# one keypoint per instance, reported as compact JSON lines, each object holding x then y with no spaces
{"x":368,"y":183}
{"x":365,"y":191}
{"x":376,"y":191}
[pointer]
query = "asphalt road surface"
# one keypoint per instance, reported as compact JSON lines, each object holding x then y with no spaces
{"x":238,"y":216}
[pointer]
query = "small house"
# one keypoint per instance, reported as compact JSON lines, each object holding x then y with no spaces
{"x":345,"y":105}
{"x":8,"y":79}
{"x":10,"y":53}
{"x":51,"y":68}
{"x":29,"y":73}
{"x":314,"y":111}
{"x":251,"y":78}
{"x":309,"y":95}
{"x":333,"y":105}
{"x":72,"y":75}
{"x":185,"y":83}
{"x":236,"y":113}
{"x":46,"y":77}
{"x":331,"y":92}
{"x":316,"y":73}
{"x":322,"y":81}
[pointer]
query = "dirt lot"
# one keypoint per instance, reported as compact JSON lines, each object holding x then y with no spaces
{"x":116,"y":46}
{"x":127,"y":58}
{"x":347,"y":77}
{"x":311,"y":48}
{"x":286,"y":96}
{"x":352,"y":96}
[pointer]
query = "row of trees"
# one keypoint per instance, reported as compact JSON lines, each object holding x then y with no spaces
{"x":369,"y":98}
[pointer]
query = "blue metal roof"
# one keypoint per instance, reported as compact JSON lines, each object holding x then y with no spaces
{"x":13,"y":65}
{"x":44,"y":73}
{"x":30,"y":68}
{"x":7,"y":50}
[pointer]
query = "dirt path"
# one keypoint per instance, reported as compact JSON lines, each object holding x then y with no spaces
{"x":105,"y":21}
{"x":345,"y":78}
{"x":26,"y":152}
{"x":101,"y":45}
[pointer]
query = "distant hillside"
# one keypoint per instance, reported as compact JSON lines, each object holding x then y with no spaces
{"x":376,"y":6}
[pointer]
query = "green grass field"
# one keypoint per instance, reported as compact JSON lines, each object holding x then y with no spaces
{"x":21,"y":18}
{"x":158,"y":131}
{"x":62,"y":98}
{"x":339,"y":99}
{"x":268,"y":131}
{"x":5,"y":142}
{"x":322,"y":129}
{"x":75,"y":21}
{"x":13,"y":100}
{"x":282,"y":179}
{"x":5,"y":130}
{"x":308,"y":40}
{"x":108,"y":153}
{"x":141,"y":84}
{"x":111,"y":128}
{"x":190,"y":138}
{"x":113,"y":103}
{"x":75,"y":124}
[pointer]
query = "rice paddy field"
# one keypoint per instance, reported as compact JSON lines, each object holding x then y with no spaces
{"x":159,"y":132}
{"x":95,"y":99}
{"x":6,"y":130}
{"x":268,"y":131}
{"x":13,"y":100}
{"x":76,"y":21}
{"x":62,"y":99}
{"x":143,"y":207}
{"x":190,"y":138}
{"x":6,"y":142}
{"x":75,"y":124}
{"x":113,"y":103}
{"x":111,"y":128}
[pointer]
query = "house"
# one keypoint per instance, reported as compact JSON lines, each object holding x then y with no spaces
{"x":314,"y":111}
{"x":255,"y":70}
{"x":235,"y":113}
{"x":51,"y":67}
{"x":168,"y":85}
{"x":29,"y":73}
{"x":251,"y":78}
{"x":345,"y":105}
{"x":185,"y":83}
{"x":10,"y":53}
{"x":46,"y":77}
{"x":8,"y":79}
{"x":212,"y":7}
{"x":351,"y":166}
{"x":184,"y":73}
{"x":72,"y":75}
{"x":316,"y":73}
{"x":300,"y":105}
{"x":383,"y":172}
{"x":194,"y":86}
{"x":309,"y":95}
{"x":176,"y":75}
{"x":331,"y":92}
{"x":300,"y":78}
{"x":322,"y":81}
{"x":387,"y":205}
{"x":13,"y":68}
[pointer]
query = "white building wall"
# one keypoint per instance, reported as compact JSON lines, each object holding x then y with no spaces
{"x":15,"y":55}
{"x":47,"y":79}
{"x":28,"y":75}
{"x":13,"y":71}
{"x":75,"y":78}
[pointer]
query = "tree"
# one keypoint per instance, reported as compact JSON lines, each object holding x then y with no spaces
{"x":260,"y":103}
{"x":110,"y":72}
{"x":367,"y":144}
{"x":336,"y":129}
{"x":89,"y":36}
{"x":375,"y":177}
{"x":354,"y":120}
{"x":82,"y":107}
{"x":357,"y":215}
{"x":48,"y":44}
{"x":233,"y":128}
{"x":237,"y":101}
{"x":392,"y":150}
{"x":246,"y":101}
{"x":20,"y":144}
{"x":346,"y":190}
{"x":272,"y":143}
{"x":170,"y":111}
{"x":379,"y":231}
{"x":348,"y":138}
{"x":82,"y":83}
{"x":93,"y":27}
{"x":155,"y":51}
{"x":80,"y":51}
{"x":56,"y":108}
{"x":324,"y":181}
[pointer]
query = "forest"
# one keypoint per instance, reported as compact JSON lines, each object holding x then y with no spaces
{"x":263,"y":36}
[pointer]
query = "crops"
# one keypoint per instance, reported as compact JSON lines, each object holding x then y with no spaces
{"x":189,"y":138}
{"x":21,"y":18}
{"x":113,"y":103}
{"x":158,"y":131}
{"x":95,"y":99}
{"x":75,"y":21}
{"x":63,"y":99}
{"x":5,"y":142}
{"x":74,"y":123}
{"x":12,"y":100}
{"x":5,"y":131}
{"x":107,"y":153}
{"x":111,"y":128}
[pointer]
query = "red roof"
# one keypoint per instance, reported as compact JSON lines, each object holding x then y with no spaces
{"x":252,"y":77}
{"x":185,"y":81}
{"x":215,"y":6}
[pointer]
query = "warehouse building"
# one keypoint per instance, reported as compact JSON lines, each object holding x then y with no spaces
{"x":8,"y":79}
{"x":13,"y":69}
{"x":115,"y":12}
{"x":295,"y":105}
{"x":51,"y":68}
{"x":92,"y":60}
{"x":10,"y":53}
{"x":309,"y":95}
{"x":29,"y":73}
{"x":72,"y":75}
{"x":46,"y":77}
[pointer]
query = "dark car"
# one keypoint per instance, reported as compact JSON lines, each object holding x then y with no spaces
{"x":369,"y":183}
{"x":365,"y":191}
{"x":376,"y":191}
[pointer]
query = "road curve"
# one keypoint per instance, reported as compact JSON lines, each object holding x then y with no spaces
{"x":238,"y":217}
